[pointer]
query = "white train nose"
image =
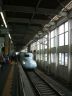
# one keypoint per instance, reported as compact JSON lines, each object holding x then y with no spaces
{"x":28,"y":62}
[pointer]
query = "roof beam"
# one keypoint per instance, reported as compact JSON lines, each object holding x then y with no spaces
{"x":36,"y":9}
{"x":23,"y":20}
{"x":21,"y":35}
{"x":23,"y":9}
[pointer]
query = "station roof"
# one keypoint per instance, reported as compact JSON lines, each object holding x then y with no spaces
{"x":26,"y":17}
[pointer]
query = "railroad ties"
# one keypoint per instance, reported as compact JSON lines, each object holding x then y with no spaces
{"x":40,"y":86}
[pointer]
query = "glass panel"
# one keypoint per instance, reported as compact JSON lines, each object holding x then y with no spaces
{"x":66,"y":26}
{"x":45,"y":57}
{"x":62,"y":59}
{"x":52,"y":34}
{"x":37,"y":42}
{"x":55,"y":42}
{"x":66,"y":38}
{"x":59,"y":58}
{"x":38,"y":47}
{"x":52,"y":58}
{"x":52,"y":42}
{"x":45,"y":46}
{"x":61,"y":40}
{"x":66,"y":59}
{"x":61,"y":29}
{"x":55,"y":32}
{"x":49,"y":40}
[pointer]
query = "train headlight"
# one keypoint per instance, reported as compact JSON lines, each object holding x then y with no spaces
{"x":23,"y":62}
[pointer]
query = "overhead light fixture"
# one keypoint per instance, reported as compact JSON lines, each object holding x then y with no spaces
{"x":68,"y":6}
{"x":3,"y":19}
{"x":52,"y":23}
{"x":62,"y":13}
{"x":55,"y":18}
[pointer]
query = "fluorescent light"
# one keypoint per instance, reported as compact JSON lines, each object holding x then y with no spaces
{"x":3,"y":19}
{"x":69,"y":5}
{"x":55,"y":18}
{"x":9,"y":36}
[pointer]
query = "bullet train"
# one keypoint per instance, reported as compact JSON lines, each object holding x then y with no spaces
{"x":27,"y":61}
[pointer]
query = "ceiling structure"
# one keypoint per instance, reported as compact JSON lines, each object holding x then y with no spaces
{"x":26,"y":17}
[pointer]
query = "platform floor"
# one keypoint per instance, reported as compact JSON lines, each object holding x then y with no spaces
{"x":8,"y":80}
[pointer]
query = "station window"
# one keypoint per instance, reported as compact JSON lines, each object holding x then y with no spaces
{"x":52,"y":58}
{"x":49,"y":39}
{"x":61,"y":40}
{"x":63,"y":34}
{"x":41,"y":43}
{"x":52,"y":42}
{"x":46,"y":44}
{"x":66,"y":38}
{"x":38,"y":45}
{"x":66,"y":26}
{"x":66,"y":59}
{"x":53,"y":37}
{"x":45,"y":41}
{"x":33,"y":46}
{"x":46,"y":57}
{"x":66,"y":33}
{"x":61,"y":58}
{"x":61,"y":29}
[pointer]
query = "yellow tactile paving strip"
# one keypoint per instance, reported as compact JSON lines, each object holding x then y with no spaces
{"x":8,"y":85}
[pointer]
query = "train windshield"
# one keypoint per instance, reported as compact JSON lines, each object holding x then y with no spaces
{"x":26,"y":55}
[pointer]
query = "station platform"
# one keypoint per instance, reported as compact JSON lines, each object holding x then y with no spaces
{"x":14,"y":82}
{"x":8,"y":84}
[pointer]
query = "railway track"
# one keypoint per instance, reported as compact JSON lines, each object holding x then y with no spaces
{"x":40,"y":86}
